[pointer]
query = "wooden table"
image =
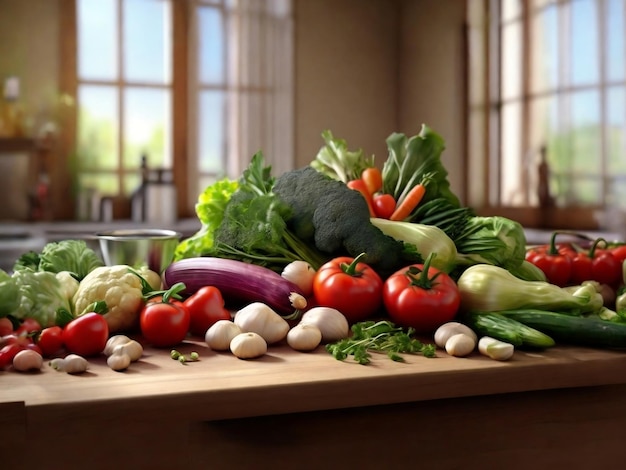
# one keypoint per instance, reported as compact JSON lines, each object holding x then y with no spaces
{"x":562,"y":408}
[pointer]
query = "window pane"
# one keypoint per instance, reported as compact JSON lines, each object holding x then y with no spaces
{"x":586,"y":133}
{"x":211,"y":47}
{"x":616,"y":125}
{"x":615,"y":39}
{"x":97,"y":127}
{"x":545,"y":56}
{"x":147,"y":116}
{"x":97,"y":39}
{"x":211,"y":131}
{"x":584,"y":36}
{"x":147,"y":39}
{"x":511,"y":161}
{"x":103,"y":184}
{"x":511,"y":60}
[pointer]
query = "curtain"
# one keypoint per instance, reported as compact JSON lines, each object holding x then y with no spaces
{"x":259,"y":44}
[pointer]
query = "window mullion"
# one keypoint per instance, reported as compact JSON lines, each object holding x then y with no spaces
{"x":525,"y":102}
{"x":120,"y":94}
{"x":604,"y":177}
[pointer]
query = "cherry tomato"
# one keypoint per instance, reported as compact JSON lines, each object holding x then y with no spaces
{"x":6,"y":327}
{"x":50,"y":340}
{"x":86,"y":335}
{"x":7,"y":353}
{"x":349,"y":286}
{"x":28,"y":326}
{"x":421,"y":297}
{"x":206,"y":306}
{"x":373,"y":179}
{"x":164,"y":323}
{"x":383,"y":204}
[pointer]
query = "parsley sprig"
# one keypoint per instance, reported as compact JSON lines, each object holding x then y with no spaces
{"x":381,"y":337}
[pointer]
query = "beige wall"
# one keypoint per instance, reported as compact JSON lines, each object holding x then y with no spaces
{"x":346,"y":74}
{"x":364,"y":69}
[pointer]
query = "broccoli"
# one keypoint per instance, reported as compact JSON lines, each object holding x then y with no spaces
{"x":336,"y":219}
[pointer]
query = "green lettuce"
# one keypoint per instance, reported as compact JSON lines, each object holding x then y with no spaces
{"x":210,"y":211}
{"x":35,"y":294}
{"x":74,"y":256}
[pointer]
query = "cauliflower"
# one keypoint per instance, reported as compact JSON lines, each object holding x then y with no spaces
{"x":121,"y":289}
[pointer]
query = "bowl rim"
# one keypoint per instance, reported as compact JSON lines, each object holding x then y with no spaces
{"x":139,"y":234}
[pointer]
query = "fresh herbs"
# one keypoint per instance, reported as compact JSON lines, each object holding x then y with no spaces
{"x":380,"y":337}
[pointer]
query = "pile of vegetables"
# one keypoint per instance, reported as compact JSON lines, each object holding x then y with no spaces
{"x":340,"y":253}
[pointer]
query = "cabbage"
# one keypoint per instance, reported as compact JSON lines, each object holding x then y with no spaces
{"x":492,"y":240}
{"x":40,"y":296}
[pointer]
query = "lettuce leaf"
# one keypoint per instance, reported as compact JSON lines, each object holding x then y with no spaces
{"x":210,"y":211}
{"x":412,"y":158}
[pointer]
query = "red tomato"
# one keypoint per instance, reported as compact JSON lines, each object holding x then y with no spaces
{"x":581,"y":269}
{"x":50,"y":340}
{"x":353,"y":288}
{"x":206,"y":306}
{"x":164,"y":323}
{"x":384,"y":205}
{"x":8,"y":352}
{"x":6,"y":327}
{"x":373,"y":179}
{"x":86,"y":335}
{"x":421,"y":297}
{"x":619,"y":252}
{"x":606,"y":268}
{"x":29,"y":325}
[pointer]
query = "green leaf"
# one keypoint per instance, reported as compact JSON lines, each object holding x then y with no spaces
{"x":410,"y":159}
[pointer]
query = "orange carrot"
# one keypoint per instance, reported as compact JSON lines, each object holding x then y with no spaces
{"x":410,"y":202}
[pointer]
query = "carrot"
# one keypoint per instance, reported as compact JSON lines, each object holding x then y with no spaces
{"x":359,"y":185}
{"x":410,"y":202}
{"x":373,"y":179}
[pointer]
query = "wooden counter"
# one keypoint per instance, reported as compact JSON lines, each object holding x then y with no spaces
{"x":565,"y":406}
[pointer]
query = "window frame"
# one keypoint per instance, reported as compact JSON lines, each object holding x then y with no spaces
{"x":488,"y":154}
{"x":68,"y":84}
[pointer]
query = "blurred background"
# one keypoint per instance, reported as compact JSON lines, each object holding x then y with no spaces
{"x":124,"y":110}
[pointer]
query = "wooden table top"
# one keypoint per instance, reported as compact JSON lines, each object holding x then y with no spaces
{"x":220,"y":386}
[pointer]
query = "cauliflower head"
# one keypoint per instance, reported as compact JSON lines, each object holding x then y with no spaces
{"x":121,"y":289}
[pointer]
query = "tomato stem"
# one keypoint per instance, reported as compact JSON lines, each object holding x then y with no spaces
{"x":350,"y":269}
{"x":419,"y":276}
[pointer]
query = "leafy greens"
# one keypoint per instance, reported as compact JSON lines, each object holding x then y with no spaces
{"x":246,"y":221}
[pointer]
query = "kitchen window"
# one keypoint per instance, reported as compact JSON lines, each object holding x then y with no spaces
{"x":195,"y":87}
{"x":547,"y":91}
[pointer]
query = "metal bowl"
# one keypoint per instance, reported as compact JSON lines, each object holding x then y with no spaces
{"x":139,"y":247}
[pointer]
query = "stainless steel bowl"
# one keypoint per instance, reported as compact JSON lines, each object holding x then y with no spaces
{"x":139,"y":247}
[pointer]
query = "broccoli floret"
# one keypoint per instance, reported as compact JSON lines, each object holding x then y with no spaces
{"x":336,"y":219}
